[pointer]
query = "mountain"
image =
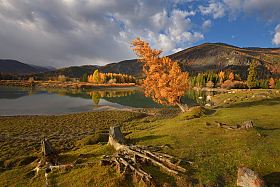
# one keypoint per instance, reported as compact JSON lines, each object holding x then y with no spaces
{"x":220,"y":56}
{"x":15,"y":67}
{"x":72,"y":72}
{"x":198,"y":59}
{"x":128,"y":67}
{"x":43,"y":68}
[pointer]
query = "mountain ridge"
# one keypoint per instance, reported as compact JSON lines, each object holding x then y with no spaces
{"x":16,"y":67}
{"x":197,"y":59}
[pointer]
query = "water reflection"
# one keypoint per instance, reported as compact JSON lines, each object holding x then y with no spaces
{"x":21,"y":100}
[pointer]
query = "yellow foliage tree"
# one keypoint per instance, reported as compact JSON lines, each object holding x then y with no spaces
{"x":165,"y":82}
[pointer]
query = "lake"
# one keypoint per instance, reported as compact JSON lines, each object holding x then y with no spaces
{"x":36,"y":101}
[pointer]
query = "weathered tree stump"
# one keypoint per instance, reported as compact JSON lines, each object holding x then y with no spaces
{"x":247,"y":125}
{"x":49,"y":154}
{"x":132,"y":157}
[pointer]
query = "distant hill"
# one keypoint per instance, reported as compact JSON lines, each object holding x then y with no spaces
{"x":72,"y":72}
{"x":43,"y":68}
{"x":15,"y":67}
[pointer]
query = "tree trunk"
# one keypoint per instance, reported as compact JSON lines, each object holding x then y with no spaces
{"x":183,"y":107}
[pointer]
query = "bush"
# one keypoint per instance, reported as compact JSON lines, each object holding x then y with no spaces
{"x":228,"y":84}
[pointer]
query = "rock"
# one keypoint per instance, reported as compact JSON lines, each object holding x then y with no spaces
{"x":209,"y":98}
{"x":269,"y":92}
{"x":238,"y":126}
{"x":218,"y":124}
{"x":259,"y":95}
{"x":208,"y":105}
{"x":202,"y":98}
{"x":247,"y":125}
{"x":249,"y":178}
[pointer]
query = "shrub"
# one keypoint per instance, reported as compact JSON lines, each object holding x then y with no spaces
{"x":228,"y":84}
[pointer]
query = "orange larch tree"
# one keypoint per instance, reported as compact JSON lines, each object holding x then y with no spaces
{"x":165,"y":82}
{"x":271,"y":83}
{"x":222,"y":76}
{"x":231,"y":76}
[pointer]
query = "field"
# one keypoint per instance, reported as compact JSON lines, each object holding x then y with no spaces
{"x":211,"y":153}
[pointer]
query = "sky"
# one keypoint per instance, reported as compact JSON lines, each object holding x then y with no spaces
{"x":63,"y":33}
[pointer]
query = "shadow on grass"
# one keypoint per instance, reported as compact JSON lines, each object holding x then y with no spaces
{"x":264,"y":102}
{"x":150,"y":137}
{"x":268,"y":129}
{"x":272,"y":179}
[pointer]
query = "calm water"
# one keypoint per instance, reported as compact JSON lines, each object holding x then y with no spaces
{"x":35,"y":101}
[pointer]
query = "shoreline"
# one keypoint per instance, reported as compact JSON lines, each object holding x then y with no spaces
{"x":67,"y":85}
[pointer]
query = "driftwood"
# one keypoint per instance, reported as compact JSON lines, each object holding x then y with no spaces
{"x":128,"y":158}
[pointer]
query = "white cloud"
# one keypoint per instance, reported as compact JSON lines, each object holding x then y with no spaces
{"x":266,"y":10}
{"x":206,"y":25}
{"x":276,"y":39}
{"x":216,"y":9}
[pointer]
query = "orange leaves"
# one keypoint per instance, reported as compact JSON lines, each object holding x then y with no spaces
{"x":165,"y":81}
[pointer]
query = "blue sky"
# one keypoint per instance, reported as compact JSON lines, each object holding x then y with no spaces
{"x":63,"y":33}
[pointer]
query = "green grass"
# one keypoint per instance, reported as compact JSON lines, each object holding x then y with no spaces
{"x":215,"y":152}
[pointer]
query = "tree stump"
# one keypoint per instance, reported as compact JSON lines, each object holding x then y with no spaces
{"x":48,"y":152}
{"x":132,"y":157}
{"x":49,"y":155}
{"x":247,"y":125}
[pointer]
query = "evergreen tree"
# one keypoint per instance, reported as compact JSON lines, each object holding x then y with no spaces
{"x":84,"y":78}
{"x":252,"y":77}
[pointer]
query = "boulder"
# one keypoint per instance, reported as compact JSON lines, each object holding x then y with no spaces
{"x":259,"y":95}
{"x":247,"y":125}
{"x":209,"y":98}
{"x":208,"y":105}
{"x":202,"y":98}
{"x":249,"y":178}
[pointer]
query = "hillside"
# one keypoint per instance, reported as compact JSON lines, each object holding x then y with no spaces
{"x":219,"y":56}
{"x":15,"y":67}
{"x":72,"y":72}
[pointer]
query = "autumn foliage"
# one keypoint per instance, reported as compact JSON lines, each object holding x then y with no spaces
{"x":165,"y":82}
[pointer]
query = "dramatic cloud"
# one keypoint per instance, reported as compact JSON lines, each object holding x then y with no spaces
{"x":266,"y":10}
{"x":276,"y":39}
{"x":63,"y":33}
{"x":69,"y":32}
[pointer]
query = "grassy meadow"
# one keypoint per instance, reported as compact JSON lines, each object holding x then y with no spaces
{"x":211,"y":153}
